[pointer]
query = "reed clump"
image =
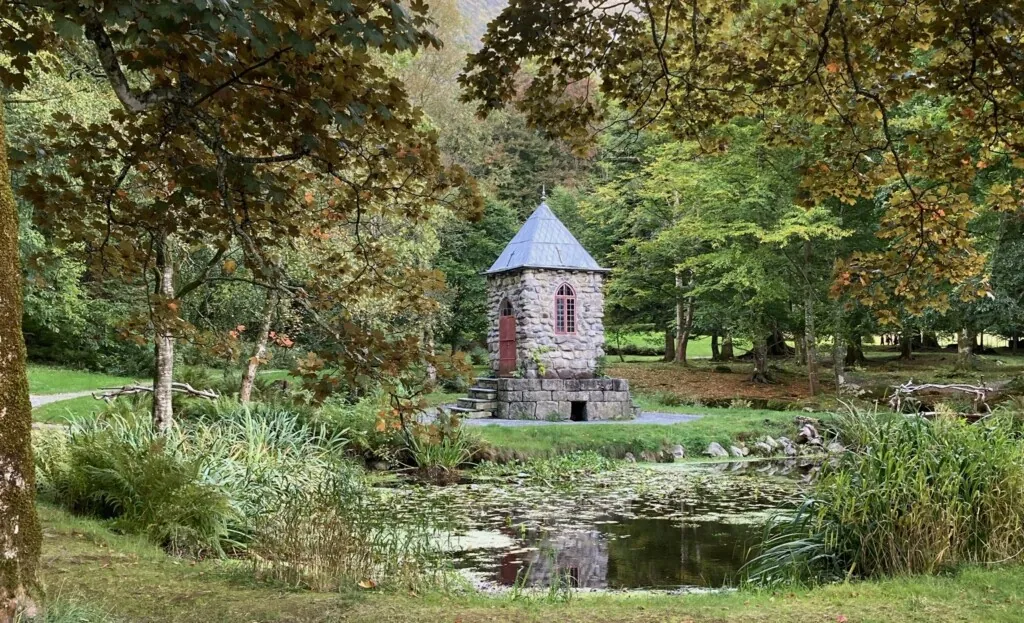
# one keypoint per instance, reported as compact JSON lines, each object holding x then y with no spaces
{"x":912,"y":496}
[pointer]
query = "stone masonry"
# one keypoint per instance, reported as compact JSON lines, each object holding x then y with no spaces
{"x":552,"y":399}
{"x":532,"y":294}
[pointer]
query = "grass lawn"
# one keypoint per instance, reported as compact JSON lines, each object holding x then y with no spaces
{"x":111,"y":577}
{"x":52,"y":380}
{"x":614,"y":440}
{"x":61,"y":411}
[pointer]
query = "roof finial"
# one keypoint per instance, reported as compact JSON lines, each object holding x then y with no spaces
{"x":543,"y":193}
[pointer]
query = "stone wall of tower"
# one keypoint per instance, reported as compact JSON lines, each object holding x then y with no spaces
{"x":532,"y":293}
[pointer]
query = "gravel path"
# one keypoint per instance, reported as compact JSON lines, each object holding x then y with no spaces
{"x":647,"y":417}
{"x":45,"y":399}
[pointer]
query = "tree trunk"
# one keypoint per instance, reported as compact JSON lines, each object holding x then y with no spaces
{"x":855,"y":350}
{"x":260,"y":353}
{"x":1013,"y":343}
{"x":965,"y":349}
{"x":929,"y":339}
{"x":715,"y":354}
{"x":839,"y":347}
{"x":727,"y":354}
{"x":684,"y":330}
{"x":163,"y":373}
{"x":906,"y":343}
{"x":801,"y":349}
{"x":20,"y":533}
{"x":670,"y":346}
{"x":811,"y":347}
{"x":760,"y":352}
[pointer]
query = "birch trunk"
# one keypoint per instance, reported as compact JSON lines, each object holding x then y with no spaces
{"x":20,"y":533}
{"x":259,"y":354}
{"x":163,"y":373}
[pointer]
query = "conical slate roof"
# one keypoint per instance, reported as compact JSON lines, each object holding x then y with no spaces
{"x":544,"y":242}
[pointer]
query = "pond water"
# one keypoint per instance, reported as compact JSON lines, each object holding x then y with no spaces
{"x":656,"y":526}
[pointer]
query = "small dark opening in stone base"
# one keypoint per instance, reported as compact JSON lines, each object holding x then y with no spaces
{"x":579,"y":411}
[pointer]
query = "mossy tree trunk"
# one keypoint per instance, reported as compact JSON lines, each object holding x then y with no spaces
{"x":670,"y":345}
{"x":727,"y":352}
{"x":20,"y":534}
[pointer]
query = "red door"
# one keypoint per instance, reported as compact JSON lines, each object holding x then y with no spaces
{"x":506,"y":345}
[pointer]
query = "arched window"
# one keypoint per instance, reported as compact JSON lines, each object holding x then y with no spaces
{"x":506,"y":308}
{"x":565,"y":309}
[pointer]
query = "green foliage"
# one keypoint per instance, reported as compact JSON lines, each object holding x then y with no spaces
{"x":119,"y":469}
{"x":196,"y":489}
{"x":912,"y":496}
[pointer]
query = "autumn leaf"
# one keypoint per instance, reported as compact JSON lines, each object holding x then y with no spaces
{"x":367,"y":584}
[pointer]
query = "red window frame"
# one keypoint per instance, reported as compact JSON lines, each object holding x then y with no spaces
{"x":565,"y":310}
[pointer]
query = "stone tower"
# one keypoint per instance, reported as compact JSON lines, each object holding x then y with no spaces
{"x":546,"y":337}
{"x":552,"y":287}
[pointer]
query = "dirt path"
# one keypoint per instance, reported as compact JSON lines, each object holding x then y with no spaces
{"x":648,"y":417}
{"x":39,"y":400}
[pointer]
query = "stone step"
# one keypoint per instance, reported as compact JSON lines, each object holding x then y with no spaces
{"x":470,"y":413}
{"x":486,"y":382}
{"x":483,"y":393}
{"x":478,"y":404}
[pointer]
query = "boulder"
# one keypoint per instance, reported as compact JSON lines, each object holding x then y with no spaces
{"x":835,"y":448}
{"x":716,"y":450}
{"x":666,"y":457}
{"x":788,"y":447}
{"x":648,"y":456}
{"x":629,"y":458}
{"x":762,"y":449}
{"x":678,"y":451}
{"x":808,"y":434}
{"x":771,"y":443}
{"x":738,"y":452}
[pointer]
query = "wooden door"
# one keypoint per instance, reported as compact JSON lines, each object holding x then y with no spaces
{"x":506,"y":345}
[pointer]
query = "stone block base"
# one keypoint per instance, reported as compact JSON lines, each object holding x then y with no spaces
{"x":564,"y":399}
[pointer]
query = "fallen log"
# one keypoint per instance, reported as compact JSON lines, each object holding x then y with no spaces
{"x":110,"y":393}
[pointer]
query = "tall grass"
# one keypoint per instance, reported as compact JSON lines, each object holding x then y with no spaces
{"x":337,"y":536}
{"x":912,"y":496}
{"x":195,"y":490}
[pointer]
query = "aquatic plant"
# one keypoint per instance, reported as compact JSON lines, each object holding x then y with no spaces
{"x":339,"y":536}
{"x":912,"y":496}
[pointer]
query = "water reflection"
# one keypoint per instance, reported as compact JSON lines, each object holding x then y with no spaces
{"x":699,"y":540}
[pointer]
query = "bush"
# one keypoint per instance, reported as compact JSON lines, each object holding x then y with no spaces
{"x":197,"y":489}
{"x":913,"y":496}
{"x":478,"y":356}
{"x":120,"y":470}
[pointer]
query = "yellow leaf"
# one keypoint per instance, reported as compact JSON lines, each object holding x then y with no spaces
{"x":367,"y":584}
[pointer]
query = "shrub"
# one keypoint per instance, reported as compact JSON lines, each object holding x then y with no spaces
{"x":197,"y":489}
{"x":478,"y":356}
{"x":668,"y":399}
{"x":913,"y":496}
{"x":119,"y":469}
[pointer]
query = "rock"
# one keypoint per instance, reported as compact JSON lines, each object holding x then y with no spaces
{"x":835,"y":448}
{"x":379,"y":466}
{"x":629,"y":458}
{"x":771,"y":443}
{"x":666,"y":457}
{"x":788,"y":447}
{"x":762,"y":449}
{"x":715,"y":449}
{"x":648,"y":457}
{"x":807,"y":434}
{"x":678,"y":451}
{"x":738,"y":452}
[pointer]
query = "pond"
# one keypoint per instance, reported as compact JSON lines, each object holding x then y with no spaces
{"x":673,"y":526}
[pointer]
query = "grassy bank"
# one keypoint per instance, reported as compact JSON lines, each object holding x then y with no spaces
{"x":614,"y":440}
{"x":63,"y":410}
{"x":120,"y":578}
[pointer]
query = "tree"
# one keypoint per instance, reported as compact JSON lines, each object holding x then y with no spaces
{"x":873,"y":76}
{"x":236,"y":140}
{"x":20,"y":532}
